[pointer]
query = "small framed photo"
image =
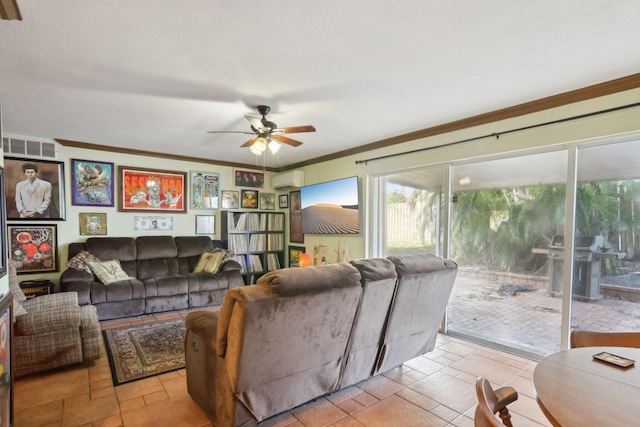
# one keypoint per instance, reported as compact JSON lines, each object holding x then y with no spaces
{"x":283,"y":201}
{"x":92,"y":183}
{"x":249,"y":199}
{"x":34,"y":248}
{"x":230,"y":199}
{"x":205,"y":224}
{"x":205,"y":190}
{"x":248,"y":178}
{"x":93,"y":224}
{"x":153,"y":223}
{"x":294,"y":255}
{"x":267,"y":201}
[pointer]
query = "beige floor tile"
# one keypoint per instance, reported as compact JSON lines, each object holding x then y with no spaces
{"x":175,"y":387}
{"x":90,"y":411}
{"x":181,"y":412}
{"x":494,"y":370}
{"x":447,"y":390}
{"x":138,"y":388}
{"x":380,"y":386}
{"x":397,"y":412}
{"x":56,"y":386}
{"x":42,"y":415}
{"x":318,"y":413}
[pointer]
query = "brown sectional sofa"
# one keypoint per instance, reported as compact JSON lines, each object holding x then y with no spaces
{"x":301,"y":333}
{"x":161,"y":270}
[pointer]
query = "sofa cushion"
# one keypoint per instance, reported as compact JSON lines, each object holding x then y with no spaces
{"x":189,"y":246}
{"x":210,"y":262}
{"x":151,"y":247}
{"x":121,"y":248}
{"x":78,"y":262}
{"x":108,"y":271}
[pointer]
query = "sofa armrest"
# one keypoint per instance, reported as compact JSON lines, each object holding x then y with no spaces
{"x":204,"y":324}
{"x":48,"y":320}
{"x":44,"y":302}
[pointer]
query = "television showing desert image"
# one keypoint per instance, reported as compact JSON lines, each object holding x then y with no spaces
{"x":331,"y":207}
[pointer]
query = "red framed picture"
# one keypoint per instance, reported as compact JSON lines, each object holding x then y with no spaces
{"x":144,"y":190}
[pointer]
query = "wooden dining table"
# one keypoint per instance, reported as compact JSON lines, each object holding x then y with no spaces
{"x":575,"y":390}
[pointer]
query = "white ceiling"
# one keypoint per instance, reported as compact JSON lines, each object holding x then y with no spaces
{"x":156,"y":75}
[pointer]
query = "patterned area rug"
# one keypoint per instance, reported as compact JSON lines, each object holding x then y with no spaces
{"x":141,"y":351}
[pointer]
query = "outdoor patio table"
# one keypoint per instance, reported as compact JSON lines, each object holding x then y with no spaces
{"x":574,"y":389}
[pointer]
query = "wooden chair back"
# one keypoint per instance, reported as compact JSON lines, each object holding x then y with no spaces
{"x":612,"y":339}
{"x":492,"y":401}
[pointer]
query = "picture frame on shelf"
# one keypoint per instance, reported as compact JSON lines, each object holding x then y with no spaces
{"x":92,"y":183}
{"x":294,"y":255}
{"x":249,"y":199}
{"x":93,"y":224}
{"x":295,"y":217}
{"x":283,"y":201}
{"x":205,"y":224}
{"x":205,"y":190}
{"x":153,"y":223}
{"x":44,"y":203}
{"x":230,"y":199}
{"x":248,"y":178}
{"x":144,"y":190}
{"x":33,"y":248}
{"x":267,"y":201}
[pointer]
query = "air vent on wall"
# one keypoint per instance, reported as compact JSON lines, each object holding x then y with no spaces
{"x":29,"y":148}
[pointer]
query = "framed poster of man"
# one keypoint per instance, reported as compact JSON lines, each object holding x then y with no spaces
{"x":34,"y":189}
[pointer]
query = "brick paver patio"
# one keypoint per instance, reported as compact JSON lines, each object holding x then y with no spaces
{"x":529,"y":321}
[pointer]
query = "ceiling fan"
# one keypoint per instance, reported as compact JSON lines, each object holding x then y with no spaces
{"x":268,"y":134}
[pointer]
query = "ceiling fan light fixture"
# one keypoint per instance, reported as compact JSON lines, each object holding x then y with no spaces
{"x":274,"y":146}
{"x":259,"y":146}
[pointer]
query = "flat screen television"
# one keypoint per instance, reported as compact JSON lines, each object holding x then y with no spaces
{"x":331,"y":207}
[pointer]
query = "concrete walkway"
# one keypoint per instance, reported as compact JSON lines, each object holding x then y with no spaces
{"x":529,"y":321}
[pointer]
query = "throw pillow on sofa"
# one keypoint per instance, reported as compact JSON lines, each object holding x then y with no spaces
{"x":211,"y":261}
{"x":79,"y":262}
{"x":108,"y":271}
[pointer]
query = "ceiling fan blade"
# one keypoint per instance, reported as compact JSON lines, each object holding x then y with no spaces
{"x":256,"y":123}
{"x":286,"y":140}
{"x":296,"y":129}
{"x":230,"y":131}
{"x":250,"y":142}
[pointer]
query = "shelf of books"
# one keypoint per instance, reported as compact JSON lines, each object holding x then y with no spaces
{"x":257,"y":239}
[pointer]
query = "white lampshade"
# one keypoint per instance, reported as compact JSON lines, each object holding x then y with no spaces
{"x":259,"y":146}
{"x":274,"y":146}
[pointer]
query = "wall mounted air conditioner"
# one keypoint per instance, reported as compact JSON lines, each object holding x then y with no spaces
{"x":29,"y":147}
{"x":293,"y":179}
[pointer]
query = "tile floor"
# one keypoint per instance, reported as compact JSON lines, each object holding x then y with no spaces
{"x":436,"y":389}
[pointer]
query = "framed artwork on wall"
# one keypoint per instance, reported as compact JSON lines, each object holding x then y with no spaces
{"x":153,"y":223}
{"x":143,"y":190}
{"x":248,"y":178}
{"x":249,"y":199}
{"x":34,"y":248}
{"x":283,"y":201}
{"x":205,"y":224}
{"x":91,"y":183}
{"x":34,"y":189}
{"x":295,"y":218}
{"x":93,"y":224}
{"x":267,"y":201}
{"x":230,"y":199}
{"x":205,"y":190}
